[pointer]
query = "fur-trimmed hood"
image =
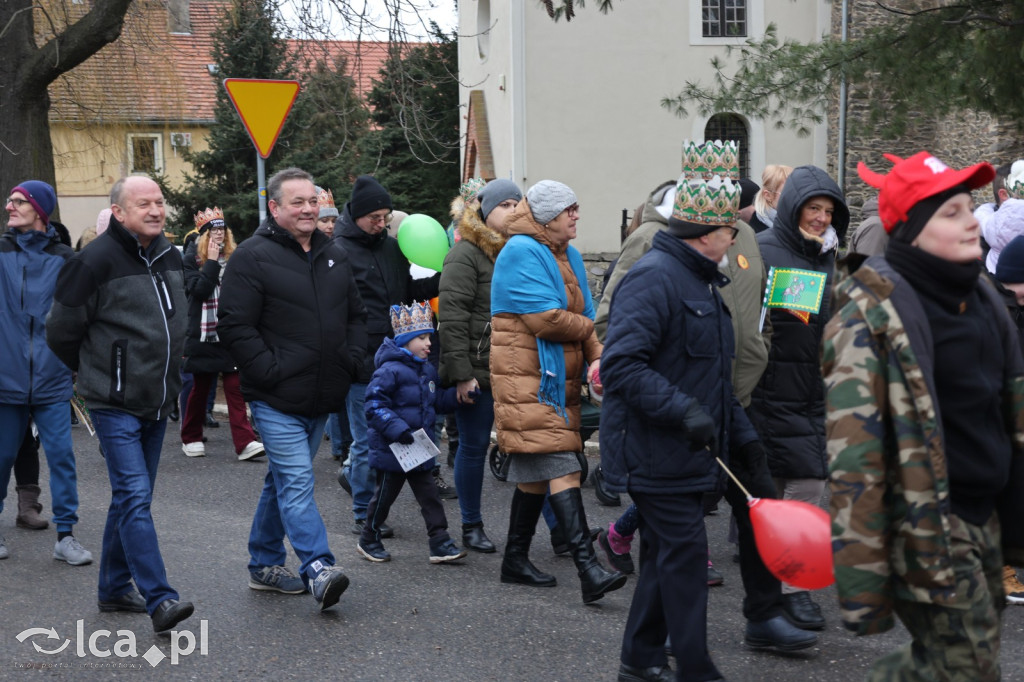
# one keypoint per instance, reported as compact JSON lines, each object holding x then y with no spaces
{"x":475,"y":231}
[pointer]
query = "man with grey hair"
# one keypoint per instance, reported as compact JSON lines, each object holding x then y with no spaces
{"x":291,"y":315}
{"x":118,"y":319}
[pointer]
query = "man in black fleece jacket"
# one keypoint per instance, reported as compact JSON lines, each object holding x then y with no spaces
{"x":291,"y":316}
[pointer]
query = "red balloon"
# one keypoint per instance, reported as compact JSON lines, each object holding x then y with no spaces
{"x":795,"y":541}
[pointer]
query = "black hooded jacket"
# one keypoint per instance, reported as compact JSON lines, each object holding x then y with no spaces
{"x":788,"y":405}
{"x":382,"y":275}
{"x":293,"y":321}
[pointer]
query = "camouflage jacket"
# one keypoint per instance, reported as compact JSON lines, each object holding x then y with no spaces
{"x":890,"y":503}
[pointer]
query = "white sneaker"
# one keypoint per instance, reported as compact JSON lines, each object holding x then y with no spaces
{"x":194,"y":449}
{"x":251,"y":451}
{"x":71,"y":551}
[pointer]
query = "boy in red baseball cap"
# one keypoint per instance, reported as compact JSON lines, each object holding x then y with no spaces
{"x":925,"y":427}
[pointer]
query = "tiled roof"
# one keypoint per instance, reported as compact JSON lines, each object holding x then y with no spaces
{"x":152,"y":76}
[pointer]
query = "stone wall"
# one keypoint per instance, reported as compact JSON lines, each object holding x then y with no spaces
{"x":959,"y":140}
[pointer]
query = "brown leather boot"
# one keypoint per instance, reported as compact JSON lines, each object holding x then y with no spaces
{"x":29,"y":508}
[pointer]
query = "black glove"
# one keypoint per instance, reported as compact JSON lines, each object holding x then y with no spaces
{"x":700,"y":429}
{"x":474,"y":394}
{"x":750,"y":464}
{"x":405,"y":437}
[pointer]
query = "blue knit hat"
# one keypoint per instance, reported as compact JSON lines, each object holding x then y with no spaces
{"x":40,"y":195}
{"x":1010,"y":268}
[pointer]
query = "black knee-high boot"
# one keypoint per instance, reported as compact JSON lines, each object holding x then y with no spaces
{"x":594,"y":579}
{"x":522,"y":522}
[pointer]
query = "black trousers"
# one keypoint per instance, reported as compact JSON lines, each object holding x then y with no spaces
{"x":389,"y":485}
{"x":762,"y":590}
{"x":671,"y":595}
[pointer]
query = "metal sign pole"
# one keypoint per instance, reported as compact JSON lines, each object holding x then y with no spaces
{"x":261,"y":183}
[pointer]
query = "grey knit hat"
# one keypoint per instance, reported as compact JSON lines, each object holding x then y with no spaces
{"x":495,"y":192}
{"x":548,"y":198}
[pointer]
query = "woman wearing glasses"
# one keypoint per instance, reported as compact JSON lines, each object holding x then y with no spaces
{"x":542,"y":341}
{"x":205,"y":356}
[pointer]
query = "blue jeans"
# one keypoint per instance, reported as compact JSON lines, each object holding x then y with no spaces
{"x":357,"y":469}
{"x":339,"y":432}
{"x":54,"y":424}
{"x":475,"y":423}
{"x":131,"y":447}
{"x":286,"y":504}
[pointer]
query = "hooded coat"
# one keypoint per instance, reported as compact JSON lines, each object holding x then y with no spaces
{"x":788,"y":405}
{"x":382,"y":276}
{"x":403,"y":395}
{"x":464,"y":307}
{"x":524,"y":424}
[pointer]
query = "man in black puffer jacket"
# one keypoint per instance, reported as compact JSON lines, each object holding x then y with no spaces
{"x":382,"y":275}
{"x":292,"y":318}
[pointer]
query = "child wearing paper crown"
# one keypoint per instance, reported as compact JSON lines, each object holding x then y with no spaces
{"x":403,"y":396}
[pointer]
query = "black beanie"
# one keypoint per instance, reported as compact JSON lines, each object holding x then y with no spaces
{"x":921,"y":212}
{"x":368,"y":196}
{"x":687,"y":230}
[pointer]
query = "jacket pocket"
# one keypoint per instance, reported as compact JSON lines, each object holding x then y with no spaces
{"x":701,"y":330}
{"x":118,"y":371}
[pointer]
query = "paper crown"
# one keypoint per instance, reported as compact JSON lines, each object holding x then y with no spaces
{"x":1015,"y":181}
{"x":325,"y":199}
{"x":204,"y":218}
{"x":470,"y":188}
{"x":707,"y":193}
{"x":410,"y":321}
{"x":714,"y":157}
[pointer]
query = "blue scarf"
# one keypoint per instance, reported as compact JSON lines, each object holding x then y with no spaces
{"x":527,"y":280}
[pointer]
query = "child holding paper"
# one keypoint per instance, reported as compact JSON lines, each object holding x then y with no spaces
{"x":404,"y":397}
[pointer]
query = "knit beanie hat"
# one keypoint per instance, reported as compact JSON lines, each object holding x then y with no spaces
{"x":495,"y":192}
{"x":548,"y":198}
{"x":368,"y":195}
{"x":40,"y":195}
{"x":102,"y":221}
{"x":1010,"y":269}
{"x":708,"y":194}
{"x":410,"y":321}
{"x":749,"y":189}
{"x":325,"y":199}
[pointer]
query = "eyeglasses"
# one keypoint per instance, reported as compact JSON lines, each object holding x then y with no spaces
{"x":735,"y":230}
{"x":218,"y":229}
{"x":17,"y":202}
{"x":377,"y":219}
{"x":573,"y":210}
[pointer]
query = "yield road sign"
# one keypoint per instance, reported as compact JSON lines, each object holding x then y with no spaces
{"x":263,"y":106}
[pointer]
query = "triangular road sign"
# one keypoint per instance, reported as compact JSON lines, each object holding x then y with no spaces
{"x":263,"y":106}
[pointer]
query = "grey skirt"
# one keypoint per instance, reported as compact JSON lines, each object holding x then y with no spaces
{"x":524,"y":468}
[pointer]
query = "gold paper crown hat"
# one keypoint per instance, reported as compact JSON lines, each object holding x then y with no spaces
{"x":409,"y":321}
{"x":709,"y":191}
{"x":470,"y":188}
{"x":325,"y":198}
{"x":204,"y":218}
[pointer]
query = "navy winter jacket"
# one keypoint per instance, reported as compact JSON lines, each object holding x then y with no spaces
{"x":788,"y":405}
{"x":404,"y":395}
{"x":30,"y":374}
{"x":671,"y":345}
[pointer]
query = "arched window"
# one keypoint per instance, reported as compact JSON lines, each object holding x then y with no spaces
{"x":731,"y":127}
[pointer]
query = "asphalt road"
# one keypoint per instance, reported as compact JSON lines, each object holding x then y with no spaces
{"x":403,"y":620}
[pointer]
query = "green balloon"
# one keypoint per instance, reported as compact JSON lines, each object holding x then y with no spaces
{"x":423,"y":241}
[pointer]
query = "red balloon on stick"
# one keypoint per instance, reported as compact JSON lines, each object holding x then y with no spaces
{"x":794,"y":540}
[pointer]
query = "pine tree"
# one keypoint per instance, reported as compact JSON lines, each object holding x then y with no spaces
{"x":414,"y":149}
{"x":248,"y":43}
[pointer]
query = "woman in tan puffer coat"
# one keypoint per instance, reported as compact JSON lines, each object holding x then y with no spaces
{"x":542,"y":340}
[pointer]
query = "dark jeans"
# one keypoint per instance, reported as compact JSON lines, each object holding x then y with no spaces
{"x":389,"y":484}
{"x":26,"y":466}
{"x":475,"y":423}
{"x":130,"y":550}
{"x":671,"y":596}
